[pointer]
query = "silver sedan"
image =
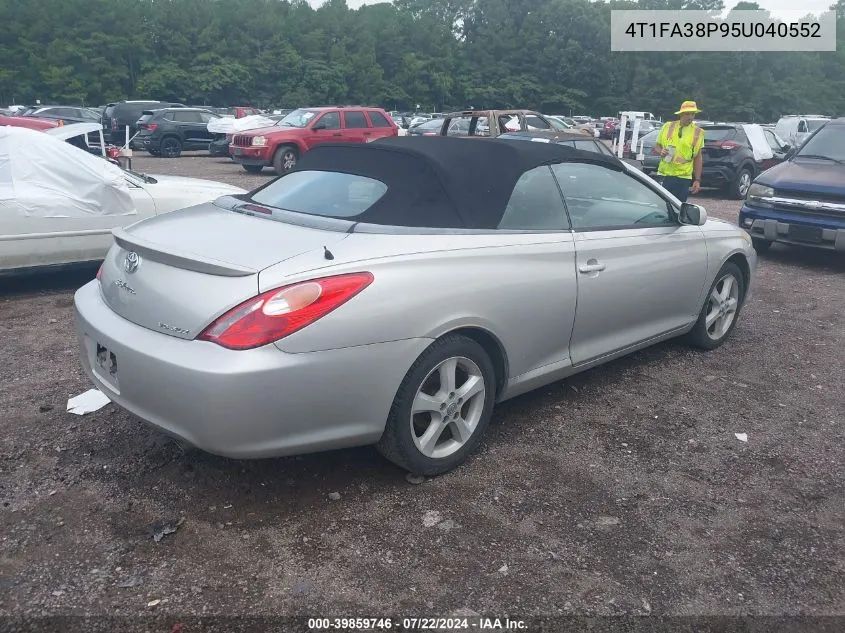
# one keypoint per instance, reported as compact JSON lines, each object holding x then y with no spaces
{"x":392,"y":293}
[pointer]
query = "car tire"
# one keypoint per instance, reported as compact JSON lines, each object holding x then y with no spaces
{"x":739,"y":187}
{"x":723,"y":308}
{"x":253,"y":169}
{"x":171,"y":147}
{"x":456,"y":425}
{"x":760,"y":245}
{"x":285,"y":159}
{"x":153,"y":152}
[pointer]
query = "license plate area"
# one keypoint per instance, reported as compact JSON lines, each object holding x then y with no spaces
{"x":105,"y":365}
{"x":237,"y":151}
{"x":802,"y":233}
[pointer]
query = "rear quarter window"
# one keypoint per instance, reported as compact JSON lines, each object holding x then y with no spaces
{"x":378,"y":119}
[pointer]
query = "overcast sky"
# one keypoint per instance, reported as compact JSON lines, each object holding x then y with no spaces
{"x":810,"y":6}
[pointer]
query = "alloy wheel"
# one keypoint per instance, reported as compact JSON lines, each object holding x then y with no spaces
{"x":447,"y":407}
{"x":721,"y":307}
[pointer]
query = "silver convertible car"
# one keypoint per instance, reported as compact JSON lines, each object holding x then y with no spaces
{"x":392,"y":293}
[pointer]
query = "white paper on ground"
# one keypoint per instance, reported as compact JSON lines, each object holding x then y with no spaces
{"x":742,"y":437}
{"x":91,"y":400}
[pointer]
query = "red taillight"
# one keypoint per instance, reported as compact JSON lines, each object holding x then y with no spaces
{"x":100,"y":271}
{"x":277,"y":313}
{"x":149,"y":126}
{"x":729,"y":145}
{"x":114,"y":124}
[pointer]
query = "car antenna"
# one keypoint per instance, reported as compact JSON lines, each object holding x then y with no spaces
{"x":327,"y":253}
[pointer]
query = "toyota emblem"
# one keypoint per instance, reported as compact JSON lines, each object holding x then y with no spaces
{"x":131,"y":263}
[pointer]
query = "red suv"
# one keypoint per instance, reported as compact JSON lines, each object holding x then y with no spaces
{"x":281,"y":145}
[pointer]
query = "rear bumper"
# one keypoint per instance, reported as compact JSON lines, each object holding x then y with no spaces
{"x":774,"y":225}
{"x":243,"y":404}
{"x":717,"y":175}
{"x":250,"y":155}
{"x":145,"y":143}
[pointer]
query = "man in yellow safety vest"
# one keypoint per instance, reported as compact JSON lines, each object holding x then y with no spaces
{"x":679,"y":145}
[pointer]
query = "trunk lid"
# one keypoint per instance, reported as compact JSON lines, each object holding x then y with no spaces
{"x":177,"y":272}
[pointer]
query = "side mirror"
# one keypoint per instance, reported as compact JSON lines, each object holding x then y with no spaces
{"x":319,"y":125}
{"x":692,"y":214}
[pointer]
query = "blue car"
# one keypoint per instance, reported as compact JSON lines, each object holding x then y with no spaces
{"x":802,"y":200}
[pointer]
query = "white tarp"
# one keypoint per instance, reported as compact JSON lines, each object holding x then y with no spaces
{"x":230,"y":125}
{"x":759,"y":145}
{"x":46,"y":177}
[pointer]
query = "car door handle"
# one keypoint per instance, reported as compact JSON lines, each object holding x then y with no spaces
{"x":337,"y":134}
{"x":592,"y":266}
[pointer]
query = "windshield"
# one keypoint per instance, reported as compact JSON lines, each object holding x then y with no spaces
{"x":815,"y":124}
{"x":298,"y":118}
{"x":719,"y":133}
{"x":322,"y":193}
{"x":828,"y":142}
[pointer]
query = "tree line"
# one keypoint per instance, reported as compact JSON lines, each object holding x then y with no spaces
{"x":549,"y":55}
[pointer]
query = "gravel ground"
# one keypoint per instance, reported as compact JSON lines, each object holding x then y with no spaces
{"x":620,"y":491}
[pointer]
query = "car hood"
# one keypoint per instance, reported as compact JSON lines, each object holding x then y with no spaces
{"x":189,"y":187}
{"x":813,"y":176}
{"x":274,"y":130}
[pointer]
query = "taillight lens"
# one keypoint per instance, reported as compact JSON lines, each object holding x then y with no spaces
{"x":149,"y":126}
{"x":100,"y":271}
{"x":729,"y":145}
{"x":280,"y":312}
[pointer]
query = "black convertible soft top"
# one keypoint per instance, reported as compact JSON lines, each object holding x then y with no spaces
{"x":442,"y":182}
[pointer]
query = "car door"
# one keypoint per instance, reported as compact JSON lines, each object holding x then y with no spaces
{"x":325,"y":129}
{"x":381,"y":127}
{"x":192,"y":128}
{"x":541,"y":281}
{"x":356,"y":129}
{"x":204,"y":134}
{"x":779,"y":153}
{"x":640,"y":273}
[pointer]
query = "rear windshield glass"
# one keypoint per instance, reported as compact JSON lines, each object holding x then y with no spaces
{"x":829,"y":142}
{"x":146,"y":116}
{"x":719,"y":133}
{"x":323,"y":193}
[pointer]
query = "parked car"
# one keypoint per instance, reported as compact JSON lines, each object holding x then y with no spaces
{"x":223,"y":130}
{"x":570,"y":138}
{"x":61,"y":203}
{"x":170,"y":131}
{"x":794,"y":129}
{"x":118,"y":116}
{"x":431,"y":127}
{"x":730,"y":161}
{"x":283,"y":144}
{"x":492,"y":123}
{"x":65,"y":114}
{"x":802,"y":200}
{"x":28,"y":122}
{"x":336,"y":274}
{"x":650,"y":161}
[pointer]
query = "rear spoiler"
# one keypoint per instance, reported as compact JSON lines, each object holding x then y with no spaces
{"x":185,"y":260}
